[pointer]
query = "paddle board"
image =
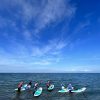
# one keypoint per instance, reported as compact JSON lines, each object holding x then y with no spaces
{"x":79,"y":90}
{"x":63,"y":90}
{"x":22,"y":89}
{"x":51,"y":87}
{"x":38,"y":92}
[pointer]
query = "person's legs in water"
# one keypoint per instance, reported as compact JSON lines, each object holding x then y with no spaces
{"x":19,"y":89}
{"x":70,"y":91}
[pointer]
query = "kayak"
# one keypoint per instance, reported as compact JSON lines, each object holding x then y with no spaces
{"x":38,"y":92}
{"x":51,"y":87}
{"x":63,"y":90}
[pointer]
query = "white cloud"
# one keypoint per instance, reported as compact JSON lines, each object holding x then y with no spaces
{"x":61,"y":45}
{"x":79,"y":70}
{"x":38,"y":13}
{"x":54,"y":47}
{"x":44,"y":13}
{"x":22,"y":55}
{"x":44,"y":62}
{"x":27,"y":35}
{"x":54,"y":11}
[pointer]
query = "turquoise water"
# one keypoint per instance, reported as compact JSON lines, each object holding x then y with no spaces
{"x":8,"y":82}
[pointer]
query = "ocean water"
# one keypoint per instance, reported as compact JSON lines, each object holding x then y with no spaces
{"x":8,"y":82}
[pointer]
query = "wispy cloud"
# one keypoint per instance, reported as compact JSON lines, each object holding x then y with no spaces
{"x":81,"y":26}
{"x":27,"y":35}
{"x":54,"y":47}
{"x":45,"y":13}
{"x":38,"y":14}
{"x":80,"y":70}
{"x":20,"y":54}
{"x":42,"y":63}
{"x":78,"y":34}
{"x":54,"y":11}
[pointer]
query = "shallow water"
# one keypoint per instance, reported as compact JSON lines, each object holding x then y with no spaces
{"x":8,"y":82}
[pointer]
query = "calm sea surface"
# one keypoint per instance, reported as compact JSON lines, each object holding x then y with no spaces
{"x":8,"y":82}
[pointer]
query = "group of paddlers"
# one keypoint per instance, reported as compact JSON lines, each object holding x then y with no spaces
{"x":36,"y":84}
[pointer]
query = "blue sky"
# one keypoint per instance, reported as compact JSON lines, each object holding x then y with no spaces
{"x":50,"y":36}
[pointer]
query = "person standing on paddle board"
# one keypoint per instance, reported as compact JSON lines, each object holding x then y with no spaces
{"x":62,"y":86}
{"x":30,"y":83}
{"x":70,"y":88}
{"x":48,"y":84}
{"x":36,"y":85}
{"x":19,"y":86}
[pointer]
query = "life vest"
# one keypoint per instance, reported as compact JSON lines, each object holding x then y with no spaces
{"x":20,"y":84}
